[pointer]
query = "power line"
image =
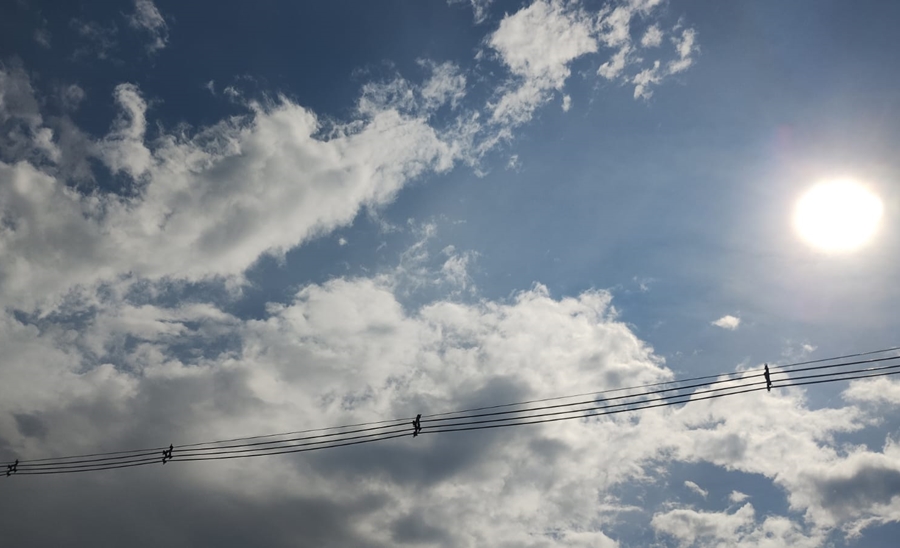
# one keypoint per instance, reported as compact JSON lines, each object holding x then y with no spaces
{"x":831,"y":366}
{"x":447,"y":428}
{"x":390,"y":429}
{"x":428,"y":418}
{"x":663,"y":383}
{"x":479,"y":425}
{"x":593,"y":401}
{"x":128,"y":457}
{"x":834,"y":358}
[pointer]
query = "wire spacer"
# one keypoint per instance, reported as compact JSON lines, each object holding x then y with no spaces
{"x":417,"y":426}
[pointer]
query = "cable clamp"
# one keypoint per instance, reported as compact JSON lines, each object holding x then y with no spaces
{"x":768,"y":379}
{"x":167,"y":453}
{"x":417,"y":425}
{"x":12,"y":468}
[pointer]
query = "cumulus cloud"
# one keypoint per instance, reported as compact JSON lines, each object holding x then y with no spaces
{"x":147,"y":18}
{"x":728,"y":322}
{"x":341,"y":351}
{"x":880,"y":391}
{"x":205,"y":205}
{"x":740,"y":529}
{"x":98,"y":355}
{"x":858,"y":491}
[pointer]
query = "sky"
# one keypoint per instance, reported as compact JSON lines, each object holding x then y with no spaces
{"x":223,"y":219}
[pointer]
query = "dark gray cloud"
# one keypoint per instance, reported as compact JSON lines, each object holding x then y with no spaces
{"x":30,"y":426}
{"x":156,"y":507}
{"x":858,"y":491}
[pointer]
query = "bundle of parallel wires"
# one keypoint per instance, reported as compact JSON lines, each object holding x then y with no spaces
{"x":865,"y":365}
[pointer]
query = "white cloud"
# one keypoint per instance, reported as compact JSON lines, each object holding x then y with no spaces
{"x":652,"y":37}
{"x":342,"y":241}
{"x":23,"y":134}
{"x":794,"y":446}
{"x":123,"y":149}
{"x":645,"y":79}
{"x":447,"y":84}
{"x":689,"y":526}
{"x":613,"y":68}
{"x":882,"y":391}
{"x":855,"y":492}
{"x":736,"y":497}
{"x":347,"y":350}
{"x":566,"y":103}
{"x":206,"y":205}
{"x":537,"y":43}
{"x":147,"y":17}
{"x":685,"y":47}
{"x":343,"y":351}
{"x":728,"y":322}
{"x":740,"y":529}
{"x":696,"y":488}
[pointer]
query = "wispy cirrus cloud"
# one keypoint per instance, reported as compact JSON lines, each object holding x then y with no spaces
{"x":147,"y":18}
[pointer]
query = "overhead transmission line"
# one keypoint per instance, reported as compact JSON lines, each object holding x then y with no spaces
{"x":601,"y":403}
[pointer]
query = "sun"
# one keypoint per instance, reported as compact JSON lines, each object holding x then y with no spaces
{"x":838,"y":216}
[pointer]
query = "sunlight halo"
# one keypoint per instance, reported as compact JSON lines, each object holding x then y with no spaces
{"x":838,"y":216}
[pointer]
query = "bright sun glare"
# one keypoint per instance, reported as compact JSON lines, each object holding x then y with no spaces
{"x":837,"y":216}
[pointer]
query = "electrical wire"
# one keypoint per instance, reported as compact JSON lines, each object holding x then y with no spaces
{"x":663,"y":383}
{"x":834,"y":358}
{"x":480,"y":425}
{"x":280,"y":444}
{"x":447,"y":428}
{"x":654,"y":392}
{"x":831,"y":366}
{"x":388,"y":430}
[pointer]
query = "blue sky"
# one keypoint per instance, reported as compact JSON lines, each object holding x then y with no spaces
{"x":226,"y":219}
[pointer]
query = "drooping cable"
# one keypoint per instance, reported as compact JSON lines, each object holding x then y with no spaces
{"x":340,"y":436}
